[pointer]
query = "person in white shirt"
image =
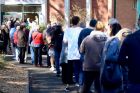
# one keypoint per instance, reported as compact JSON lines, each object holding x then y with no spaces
{"x":71,"y":38}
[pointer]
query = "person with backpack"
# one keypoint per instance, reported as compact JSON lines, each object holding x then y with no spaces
{"x":92,"y":47}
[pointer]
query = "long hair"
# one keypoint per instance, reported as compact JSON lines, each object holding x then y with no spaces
{"x":115,"y":29}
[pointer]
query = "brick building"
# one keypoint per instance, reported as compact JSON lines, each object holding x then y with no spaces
{"x":126,"y":11}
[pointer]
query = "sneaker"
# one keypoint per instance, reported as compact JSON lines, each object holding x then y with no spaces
{"x":66,"y":89}
{"x":52,"y":69}
{"x":77,"y":85}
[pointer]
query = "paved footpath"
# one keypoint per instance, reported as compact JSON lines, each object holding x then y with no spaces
{"x":41,"y":80}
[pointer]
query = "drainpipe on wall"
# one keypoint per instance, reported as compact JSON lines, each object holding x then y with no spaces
{"x":114,"y":8}
{"x":88,"y":11}
{"x":0,"y":11}
{"x":67,"y":12}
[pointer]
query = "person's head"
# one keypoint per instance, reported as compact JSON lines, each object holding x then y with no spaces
{"x":92,"y":23}
{"x":100,"y":26}
{"x":112,"y":21}
{"x":75,"y":20}
{"x":123,"y":33}
{"x":82,"y":24}
{"x":16,"y":24}
{"x":115,"y":29}
{"x":3,"y":26}
{"x":22,"y":27}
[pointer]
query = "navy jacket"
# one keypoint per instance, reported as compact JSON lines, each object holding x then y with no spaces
{"x":85,"y":32}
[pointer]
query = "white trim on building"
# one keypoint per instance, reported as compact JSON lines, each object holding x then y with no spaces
{"x":67,"y":12}
{"x":42,"y":3}
{"x":22,"y":1}
{"x":88,"y":11}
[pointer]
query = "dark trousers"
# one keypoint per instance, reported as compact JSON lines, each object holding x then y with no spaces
{"x":64,"y":73}
{"x":38,"y":56}
{"x":70,"y":72}
{"x":75,"y":68}
{"x":78,"y":72}
{"x":133,"y":88}
{"x":89,"y":77}
{"x":21,"y":54}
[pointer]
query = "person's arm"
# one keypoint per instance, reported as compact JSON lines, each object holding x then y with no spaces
{"x":82,"y":47}
{"x":112,"y":50}
{"x":80,"y":39}
{"x":15,"y":37}
{"x":123,"y":55}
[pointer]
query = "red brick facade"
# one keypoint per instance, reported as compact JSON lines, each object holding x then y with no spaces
{"x":55,"y":10}
{"x":125,"y":12}
{"x":100,"y":10}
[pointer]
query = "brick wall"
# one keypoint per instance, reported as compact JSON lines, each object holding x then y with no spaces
{"x":78,"y":8}
{"x":55,"y":10}
{"x":100,"y":10}
{"x":125,"y":13}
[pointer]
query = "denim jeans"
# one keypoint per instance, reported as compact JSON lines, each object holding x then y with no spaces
{"x":32,"y":54}
{"x":57,"y":56}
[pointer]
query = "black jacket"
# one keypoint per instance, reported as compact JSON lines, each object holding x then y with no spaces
{"x":130,"y":56}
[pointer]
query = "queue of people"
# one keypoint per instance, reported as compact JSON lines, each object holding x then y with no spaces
{"x":79,"y":55}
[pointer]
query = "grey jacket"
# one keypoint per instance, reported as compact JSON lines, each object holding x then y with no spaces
{"x":92,"y":47}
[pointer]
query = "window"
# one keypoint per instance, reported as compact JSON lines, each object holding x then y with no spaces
{"x":11,"y":8}
{"x":32,"y":8}
{"x":135,"y":4}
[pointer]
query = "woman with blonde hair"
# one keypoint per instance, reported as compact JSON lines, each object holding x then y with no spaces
{"x":123,"y":33}
{"x":92,"y":47}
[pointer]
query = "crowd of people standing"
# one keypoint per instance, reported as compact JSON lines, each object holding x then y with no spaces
{"x":79,"y":55}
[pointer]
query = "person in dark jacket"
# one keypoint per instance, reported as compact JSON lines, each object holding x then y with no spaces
{"x":129,"y":56}
{"x":86,"y":31}
{"x":5,"y":36}
{"x":57,"y":39}
{"x":20,"y":39}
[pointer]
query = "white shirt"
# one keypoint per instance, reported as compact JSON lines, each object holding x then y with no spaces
{"x":71,"y":36}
